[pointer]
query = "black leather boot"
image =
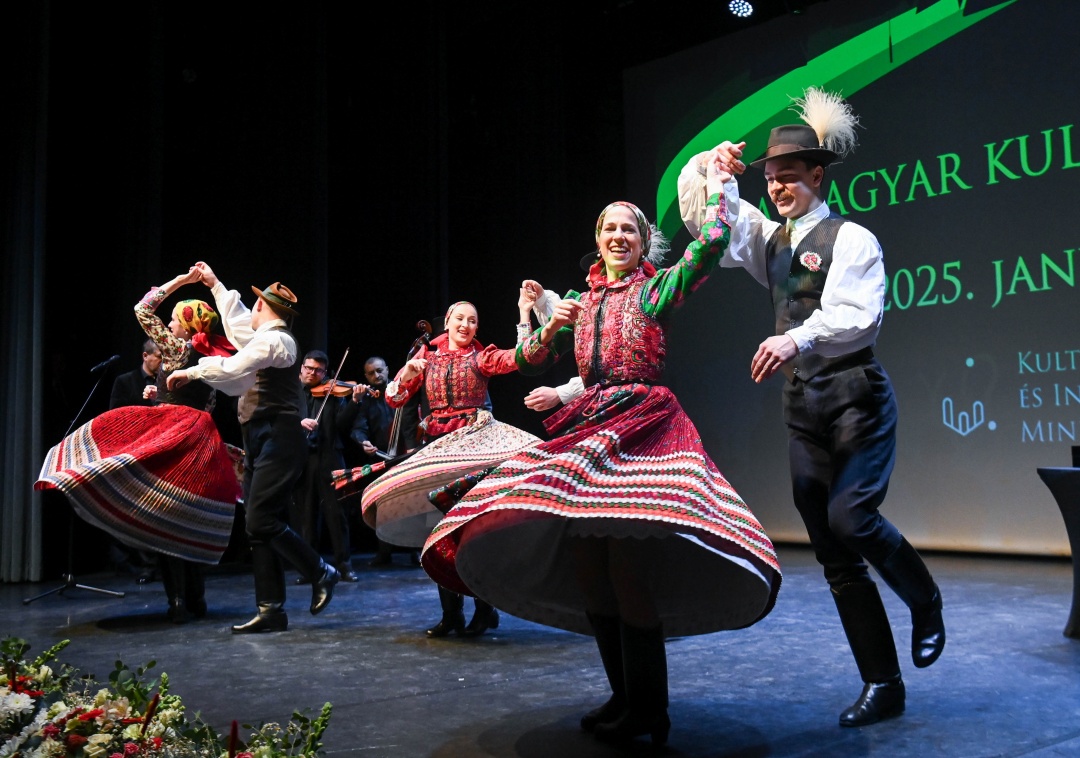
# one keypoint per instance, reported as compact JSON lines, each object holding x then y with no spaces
{"x":270,"y":618}
{"x":484,"y":617}
{"x":907,"y":575}
{"x":322,"y":575}
{"x":194,"y":589}
{"x":878,"y":700}
{"x":645,"y":672}
{"x":172,"y":577}
{"x":453,"y":619}
{"x":269,"y":577}
{"x":608,"y":634}
{"x":870,"y":637}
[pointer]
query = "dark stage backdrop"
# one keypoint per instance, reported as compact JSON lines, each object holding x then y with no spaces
{"x":965,"y":171}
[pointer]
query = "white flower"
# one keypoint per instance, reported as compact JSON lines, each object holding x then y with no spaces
{"x":97,"y":745}
{"x":17,"y":703}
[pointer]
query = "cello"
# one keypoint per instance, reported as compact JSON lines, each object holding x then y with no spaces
{"x":393,"y":453}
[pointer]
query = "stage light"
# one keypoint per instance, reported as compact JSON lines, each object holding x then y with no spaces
{"x":741,"y":8}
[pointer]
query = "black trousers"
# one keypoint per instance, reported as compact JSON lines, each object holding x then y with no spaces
{"x":842,"y":448}
{"x":274,"y":452}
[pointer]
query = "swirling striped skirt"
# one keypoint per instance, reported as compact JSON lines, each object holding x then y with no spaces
{"x":629,"y":464}
{"x":157,"y":478}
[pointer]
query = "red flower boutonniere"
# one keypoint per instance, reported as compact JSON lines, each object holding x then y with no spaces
{"x":812,"y":261}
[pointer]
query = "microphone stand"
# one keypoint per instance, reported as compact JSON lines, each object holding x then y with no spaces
{"x":69,"y":577}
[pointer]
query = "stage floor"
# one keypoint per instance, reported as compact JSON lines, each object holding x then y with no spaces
{"x":1008,"y":683}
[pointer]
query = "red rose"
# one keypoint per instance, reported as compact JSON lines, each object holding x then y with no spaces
{"x":50,"y":731}
{"x":75,"y":741}
{"x":130,"y":748}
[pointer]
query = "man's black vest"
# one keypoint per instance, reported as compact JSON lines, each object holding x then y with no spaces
{"x":796,"y":287}
{"x":276,"y":391}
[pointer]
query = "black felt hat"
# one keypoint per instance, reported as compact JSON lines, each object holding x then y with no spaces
{"x":589,"y":259}
{"x":795,"y":141}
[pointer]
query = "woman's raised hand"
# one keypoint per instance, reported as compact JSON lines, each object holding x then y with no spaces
{"x":526,"y":299}
{"x":532,"y":289}
{"x":413,"y":368}
{"x":722,"y":166}
{"x":206,"y":274}
{"x":192,"y":276}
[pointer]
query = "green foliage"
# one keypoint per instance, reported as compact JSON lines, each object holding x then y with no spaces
{"x":51,"y":711}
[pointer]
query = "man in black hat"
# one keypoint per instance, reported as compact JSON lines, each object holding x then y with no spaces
{"x":828,"y":283}
{"x":270,"y":408}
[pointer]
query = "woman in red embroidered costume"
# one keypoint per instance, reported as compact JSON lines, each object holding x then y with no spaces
{"x":159,"y":477}
{"x":459,"y":437}
{"x":621,"y":526}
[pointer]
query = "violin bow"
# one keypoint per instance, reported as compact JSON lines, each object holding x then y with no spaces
{"x":333,"y":383}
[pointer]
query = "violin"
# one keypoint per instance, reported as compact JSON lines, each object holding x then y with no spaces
{"x":338,"y":388}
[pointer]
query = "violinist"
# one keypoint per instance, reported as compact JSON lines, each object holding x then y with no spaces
{"x":328,"y":418}
{"x":371,"y":432}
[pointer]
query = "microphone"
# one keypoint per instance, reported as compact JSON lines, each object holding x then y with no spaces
{"x":105,"y":364}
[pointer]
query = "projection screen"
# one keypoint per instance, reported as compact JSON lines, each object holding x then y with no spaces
{"x":967,"y":147}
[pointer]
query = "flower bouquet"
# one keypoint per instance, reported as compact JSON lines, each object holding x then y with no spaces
{"x":48,"y":711}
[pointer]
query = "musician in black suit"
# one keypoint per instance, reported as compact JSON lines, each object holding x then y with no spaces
{"x":128,"y":387}
{"x":327,"y":422}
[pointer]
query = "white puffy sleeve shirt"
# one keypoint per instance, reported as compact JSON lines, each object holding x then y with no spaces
{"x":853,"y":299}
{"x":262,"y":348}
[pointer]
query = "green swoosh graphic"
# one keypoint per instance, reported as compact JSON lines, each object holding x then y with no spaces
{"x":846,"y":68}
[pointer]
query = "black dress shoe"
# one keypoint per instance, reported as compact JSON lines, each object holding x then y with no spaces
{"x":628,"y":726}
{"x":879,"y":700}
{"x":196,"y":607}
{"x":480,"y":623}
{"x":271,"y":618}
{"x":323,"y":589}
{"x":927,"y":633}
{"x":347,"y":573}
{"x":446,"y":625}
{"x":609,"y":711}
{"x":178,"y":611}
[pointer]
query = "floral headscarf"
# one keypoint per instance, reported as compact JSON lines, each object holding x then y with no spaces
{"x":195,"y":315}
{"x":644,"y":227}
{"x":654,"y":245}
{"x":199,"y":318}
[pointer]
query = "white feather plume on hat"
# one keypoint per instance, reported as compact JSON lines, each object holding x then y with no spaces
{"x":830,"y":118}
